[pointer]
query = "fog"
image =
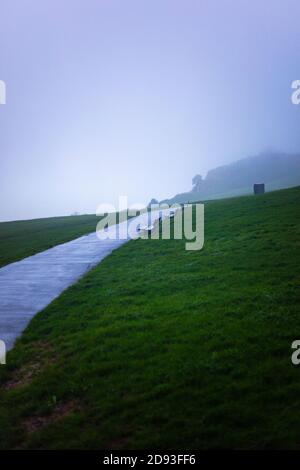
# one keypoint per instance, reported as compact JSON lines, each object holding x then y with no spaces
{"x":134,"y":97}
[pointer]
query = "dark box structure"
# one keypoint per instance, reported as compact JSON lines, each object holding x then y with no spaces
{"x":259,"y":188}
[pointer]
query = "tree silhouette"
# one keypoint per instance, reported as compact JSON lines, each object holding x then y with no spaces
{"x":197,"y":183}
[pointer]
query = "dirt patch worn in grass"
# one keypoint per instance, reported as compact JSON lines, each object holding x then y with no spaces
{"x":23,"y":375}
{"x":61,"y":410}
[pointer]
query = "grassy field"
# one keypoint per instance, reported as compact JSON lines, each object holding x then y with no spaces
{"x":27,"y":237}
{"x":166,"y":348}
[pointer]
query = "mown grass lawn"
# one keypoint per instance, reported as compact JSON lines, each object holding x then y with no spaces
{"x":26,"y":237}
{"x":167,"y":348}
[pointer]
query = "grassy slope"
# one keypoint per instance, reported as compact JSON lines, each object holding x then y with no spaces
{"x":162,"y":347}
{"x":27,"y":237}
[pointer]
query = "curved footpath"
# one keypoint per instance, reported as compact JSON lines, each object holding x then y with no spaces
{"x":29,"y":285}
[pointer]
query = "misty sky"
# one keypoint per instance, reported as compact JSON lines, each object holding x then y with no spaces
{"x":134,"y":97}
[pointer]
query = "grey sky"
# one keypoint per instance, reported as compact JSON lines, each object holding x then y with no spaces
{"x":109,"y":97}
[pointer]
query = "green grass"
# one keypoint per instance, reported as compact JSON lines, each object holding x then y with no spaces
{"x":27,"y":237}
{"x":167,"y":348}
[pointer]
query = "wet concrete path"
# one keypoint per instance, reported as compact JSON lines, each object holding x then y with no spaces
{"x":29,"y":285}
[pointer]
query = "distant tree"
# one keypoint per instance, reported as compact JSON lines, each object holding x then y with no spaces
{"x":153,"y":201}
{"x":197,"y":183}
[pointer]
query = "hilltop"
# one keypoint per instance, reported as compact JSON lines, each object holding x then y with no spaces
{"x":276,"y":170}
